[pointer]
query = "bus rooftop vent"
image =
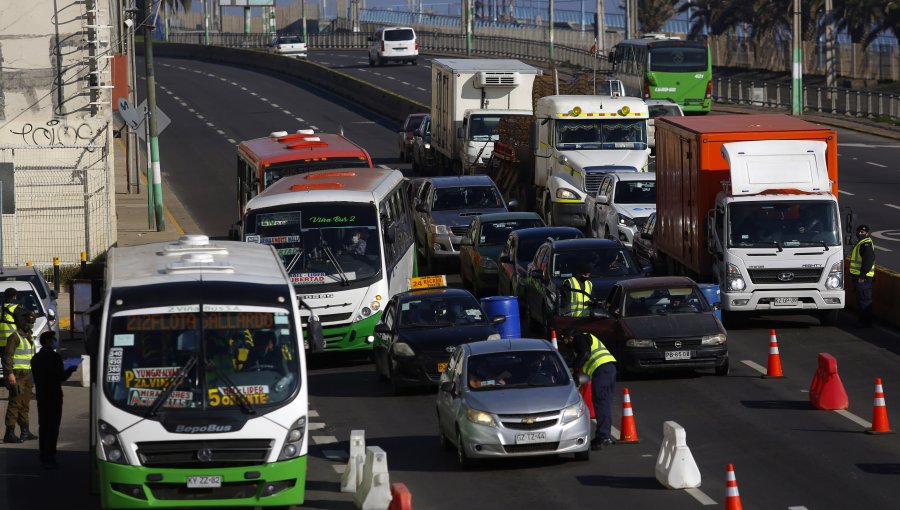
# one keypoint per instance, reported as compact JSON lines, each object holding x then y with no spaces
{"x":194,"y":243}
{"x":199,"y":262}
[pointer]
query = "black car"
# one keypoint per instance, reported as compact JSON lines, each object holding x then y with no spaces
{"x":518,"y":252}
{"x":557,"y":261}
{"x":643,"y":246}
{"x":419,"y":331}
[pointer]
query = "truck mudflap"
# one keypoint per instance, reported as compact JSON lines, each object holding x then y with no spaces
{"x":568,"y":214}
{"x":783,"y":300}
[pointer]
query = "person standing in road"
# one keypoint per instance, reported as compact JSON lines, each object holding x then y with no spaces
{"x":862,"y":270}
{"x":17,"y":363}
{"x":49,"y":373}
{"x":576,"y":292}
{"x":7,"y":321}
{"x":594,"y":360}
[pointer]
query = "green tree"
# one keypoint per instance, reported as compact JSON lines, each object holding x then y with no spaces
{"x":653,"y":14}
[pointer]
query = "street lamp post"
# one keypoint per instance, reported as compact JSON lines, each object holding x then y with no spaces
{"x":797,"y":64}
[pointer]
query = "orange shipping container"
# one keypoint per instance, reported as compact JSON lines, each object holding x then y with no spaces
{"x":690,"y":170}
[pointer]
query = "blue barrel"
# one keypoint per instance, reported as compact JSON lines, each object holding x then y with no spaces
{"x":711,"y":291}
{"x":507,"y":306}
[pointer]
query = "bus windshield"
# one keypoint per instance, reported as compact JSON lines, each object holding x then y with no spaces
{"x":321,"y":243}
{"x":630,"y":134}
{"x":206,"y":356}
{"x":275,"y":172}
{"x":678,"y":59}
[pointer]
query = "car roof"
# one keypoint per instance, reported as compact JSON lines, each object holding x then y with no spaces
{"x":544,"y":232}
{"x":506,"y":216}
{"x":635,"y":176}
{"x":19,"y":270}
{"x":580,"y":244}
{"x":19,"y":285}
{"x":656,"y":281}
{"x":460,"y":180}
{"x":507,"y":345}
{"x":442,"y":291}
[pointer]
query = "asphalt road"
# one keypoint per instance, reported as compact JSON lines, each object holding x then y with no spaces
{"x":785,"y":453}
{"x":413,"y":81}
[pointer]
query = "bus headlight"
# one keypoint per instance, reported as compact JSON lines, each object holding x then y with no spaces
{"x":835,"y":278}
{"x":293,"y":442}
{"x":109,"y":440}
{"x":375,"y":306}
{"x":566,"y":194}
{"x":366,"y":311}
{"x":734,"y":279}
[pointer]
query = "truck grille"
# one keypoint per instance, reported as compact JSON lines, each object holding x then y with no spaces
{"x":534,"y":447}
{"x":228,"y":490}
{"x":222,"y":453}
{"x":459,"y":231}
{"x":780,"y":276}
{"x":669,"y":343}
{"x":594,"y":175}
{"x":335,"y":317}
{"x":534,"y":421}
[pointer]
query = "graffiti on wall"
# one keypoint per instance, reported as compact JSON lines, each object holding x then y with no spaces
{"x":53,"y":133}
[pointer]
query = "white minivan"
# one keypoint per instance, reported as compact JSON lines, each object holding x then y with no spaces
{"x":397,"y":44}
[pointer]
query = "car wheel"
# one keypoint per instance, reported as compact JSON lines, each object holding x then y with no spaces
{"x":583,"y":456}
{"x":378,"y":368}
{"x":724,"y":369}
{"x":464,"y":461}
{"x":445,"y":443}
{"x":381,"y":62}
{"x":398,"y":390}
{"x":371,"y":61}
{"x":414,"y":62}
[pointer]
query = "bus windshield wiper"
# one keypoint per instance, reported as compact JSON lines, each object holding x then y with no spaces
{"x":173,"y":383}
{"x":331,"y":258}
{"x":241,"y":398}
{"x":290,"y":265}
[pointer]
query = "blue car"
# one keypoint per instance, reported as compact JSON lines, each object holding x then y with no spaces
{"x":519,"y":251}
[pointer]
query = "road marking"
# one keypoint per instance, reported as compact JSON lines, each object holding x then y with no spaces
{"x":391,"y":78}
{"x":183,"y":103}
{"x":855,"y":419}
{"x":176,"y":98}
{"x":701,"y":497}
{"x":339,"y":468}
{"x":182,"y":68}
{"x":894,"y":206}
{"x":287,"y":112}
{"x":234,"y":83}
{"x":210,"y":74}
{"x":316,"y":426}
{"x":882,"y":248}
{"x":797,"y":508}
{"x":377,"y":74}
{"x":365,"y":122}
{"x":324,"y":439}
{"x":842,"y":192}
{"x":243,"y":88}
{"x":313,"y":413}
{"x":335,"y":454}
{"x":199,"y":116}
{"x":220,"y":131}
{"x":420,"y":88}
{"x":314,"y":128}
{"x":385,"y":167}
{"x":876,"y":164}
{"x":191,"y":110}
{"x":275,"y":105}
{"x":755,"y":366}
{"x":405,"y":83}
{"x":223,"y":79}
{"x":298,"y":119}
{"x":210,"y":124}
{"x":232,"y":141}
{"x":264,"y":99}
{"x":254,"y":94}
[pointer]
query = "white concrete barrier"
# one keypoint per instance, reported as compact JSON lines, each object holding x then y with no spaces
{"x":85,"y":370}
{"x":675,"y":466}
{"x":353,"y":473}
{"x":374,"y":490}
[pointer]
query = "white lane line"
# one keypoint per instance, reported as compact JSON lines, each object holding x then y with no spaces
{"x":701,"y":497}
{"x":855,"y":419}
{"x":362,"y":70}
{"x":243,"y":88}
{"x":314,"y":128}
{"x":183,"y":103}
{"x":882,"y":248}
{"x":324,"y":439}
{"x":210,"y":74}
{"x":420,"y":88}
{"x":176,"y":98}
{"x":405,"y":83}
{"x":842,"y":192}
{"x":182,"y":68}
{"x":755,"y":366}
{"x":210,"y":124}
{"x":385,"y":167}
{"x":223,"y":79}
{"x":264,"y":99}
{"x":275,"y":105}
{"x":191,"y":110}
{"x":876,"y":164}
{"x":391,"y":78}
{"x":287,"y":112}
{"x":335,"y":454}
{"x":298,"y":119}
{"x":234,"y":83}
{"x":199,"y":116}
{"x":220,"y":131}
{"x":377,"y":74}
{"x":316,"y":426}
{"x":893,"y":206}
{"x":232,"y":141}
{"x":339,"y":468}
{"x":797,"y":508}
{"x":313,"y":413}
{"x":254,"y":94}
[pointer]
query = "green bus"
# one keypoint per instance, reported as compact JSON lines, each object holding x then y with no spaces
{"x":662,"y":68}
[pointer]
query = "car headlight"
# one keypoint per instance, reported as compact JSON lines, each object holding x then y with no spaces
{"x":835,"y":278}
{"x":403,"y":349}
{"x":293,"y":442}
{"x":487,"y":263}
{"x":480,"y":418}
{"x":634,"y":342}
{"x":734,"y":279}
{"x":440,"y":229}
{"x":566,"y":194}
{"x":572,"y":412}
{"x":625,"y":221}
{"x":109,"y":440}
{"x":713,"y":339}
{"x":427,"y":146}
{"x":494,"y":336}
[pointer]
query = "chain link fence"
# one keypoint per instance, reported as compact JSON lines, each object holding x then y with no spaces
{"x":62,"y":204}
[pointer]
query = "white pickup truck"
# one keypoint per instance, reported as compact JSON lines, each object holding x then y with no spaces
{"x":288,"y":45}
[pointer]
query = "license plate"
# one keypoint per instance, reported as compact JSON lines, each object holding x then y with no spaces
{"x":786,"y":300}
{"x":442,"y":367}
{"x":204,"y":482}
{"x":531,"y":437}
{"x":674,"y":355}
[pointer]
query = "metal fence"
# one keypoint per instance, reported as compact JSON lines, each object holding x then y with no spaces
{"x":62,"y":204}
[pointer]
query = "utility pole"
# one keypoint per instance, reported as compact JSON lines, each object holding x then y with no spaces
{"x":468,"y":14}
{"x":552,"y":22}
{"x":797,"y":64}
{"x":205,"y":22}
{"x":303,"y":20}
{"x":628,"y":9}
{"x":154,"y":176}
{"x":600,"y":27}
{"x":829,"y":44}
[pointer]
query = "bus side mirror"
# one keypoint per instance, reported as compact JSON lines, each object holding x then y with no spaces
{"x":314,"y":334}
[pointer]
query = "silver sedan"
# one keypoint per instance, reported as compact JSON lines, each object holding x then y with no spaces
{"x":511,"y":398}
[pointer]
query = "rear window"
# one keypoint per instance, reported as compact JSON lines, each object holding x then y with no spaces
{"x":662,"y":110}
{"x":289,"y":40}
{"x":403,"y":34}
{"x":413,"y":123}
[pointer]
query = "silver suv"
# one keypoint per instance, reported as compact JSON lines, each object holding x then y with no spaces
{"x":398,"y":44}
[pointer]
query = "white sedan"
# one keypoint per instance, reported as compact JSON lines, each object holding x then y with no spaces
{"x":288,"y":45}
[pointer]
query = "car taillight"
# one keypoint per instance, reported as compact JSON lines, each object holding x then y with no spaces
{"x":417,"y":45}
{"x":646,"y":90}
{"x":382,"y":45}
{"x":709,"y":89}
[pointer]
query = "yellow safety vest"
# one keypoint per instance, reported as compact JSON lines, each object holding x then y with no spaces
{"x":24,"y":353}
{"x":578,"y":297}
{"x":599,"y":356}
{"x":856,"y":260}
{"x":7,"y":323}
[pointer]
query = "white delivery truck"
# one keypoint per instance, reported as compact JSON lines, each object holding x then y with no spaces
{"x":468,"y":99}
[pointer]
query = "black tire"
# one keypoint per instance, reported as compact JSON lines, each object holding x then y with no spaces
{"x":723,"y":370}
{"x":464,"y":461}
{"x":444,"y":443}
{"x":381,"y":62}
{"x":414,"y":61}
{"x":371,"y":61}
{"x":381,"y":376}
{"x":828,"y":317}
{"x":583,"y":456}
{"x":398,"y":390}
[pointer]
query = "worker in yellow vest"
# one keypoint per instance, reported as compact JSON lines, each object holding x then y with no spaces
{"x":576,"y":292}
{"x":17,"y":365}
{"x":862,"y":270}
{"x":595,"y":360}
{"x":7,"y":321}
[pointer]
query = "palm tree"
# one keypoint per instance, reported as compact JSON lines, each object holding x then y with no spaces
{"x":653,"y":14}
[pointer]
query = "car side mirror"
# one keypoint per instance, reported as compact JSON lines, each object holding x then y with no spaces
{"x":602,"y":199}
{"x":513,"y":203}
{"x":448,"y":387}
{"x":581,"y":379}
{"x":420,"y":207}
{"x":459,"y":132}
{"x":647,"y":236}
{"x":51,"y":315}
{"x":504,"y":259}
{"x":600,"y":313}
{"x":53,"y":294}
{"x":382,"y":329}
{"x":314,"y":335}
{"x":466,"y":241}
{"x":500,"y":319}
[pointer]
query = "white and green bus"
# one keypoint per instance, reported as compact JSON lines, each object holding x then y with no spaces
{"x":345,"y":237}
{"x":199,"y":394}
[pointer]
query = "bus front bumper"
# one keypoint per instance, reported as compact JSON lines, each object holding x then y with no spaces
{"x":351,"y":336}
{"x":274,"y":484}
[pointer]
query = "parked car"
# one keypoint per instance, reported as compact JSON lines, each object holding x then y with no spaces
{"x":557,"y":261}
{"x":422,"y":153}
{"x":643,"y":247}
{"x":621,"y":205}
{"x":518,"y":252}
{"x":660,"y":108}
{"x":288,"y":45}
{"x":406,"y":134}
{"x":393,"y":44}
{"x":419,"y":331}
{"x":444,"y":210}
{"x":36,"y":278}
{"x":511,"y":398}
{"x":657,"y":324}
{"x":480,"y":248}
{"x":29,"y":298}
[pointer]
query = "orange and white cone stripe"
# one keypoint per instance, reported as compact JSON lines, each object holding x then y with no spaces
{"x":774,"y":368}
{"x":553,"y":339}
{"x":628,"y":431}
{"x":732,"y":496}
{"x":880,"y":423}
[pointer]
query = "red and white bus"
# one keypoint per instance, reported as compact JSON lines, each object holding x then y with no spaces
{"x":262,"y":161}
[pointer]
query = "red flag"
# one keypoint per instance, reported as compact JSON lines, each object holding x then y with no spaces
{"x":593,"y":50}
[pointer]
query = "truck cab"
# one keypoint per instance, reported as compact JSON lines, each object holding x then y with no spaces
{"x":479,"y":131}
{"x":579,"y":140}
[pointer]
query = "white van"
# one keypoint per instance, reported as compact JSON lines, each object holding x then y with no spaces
{"x":393,"y":43}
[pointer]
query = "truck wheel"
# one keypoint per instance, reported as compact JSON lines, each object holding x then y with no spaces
{"x":828,"y":317}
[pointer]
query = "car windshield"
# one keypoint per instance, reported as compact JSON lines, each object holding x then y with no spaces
{"x":33,"y":279}
{"x":515,"y":369}
{"x":404,"y":34}
{"x":29,"y":300}
{"x":783,"y":224}
{"x":635,"y":192}
{"x":678,"y":59}
{"x":319,"y":244}
{"x":275,"y":172}
{"x":601,"y":134}
{"x":413,"y":123}
{"x":437,"y":311}
{"x":484,"y":128}
{"x":228,"y":349}
{"x":497,"y":232}
{"x":468,"y":197}
{"x":604,"y":262}
{"x":664,"y":301}
{"x":660,"y":110}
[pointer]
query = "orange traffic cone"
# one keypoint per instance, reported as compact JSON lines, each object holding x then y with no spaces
{"x":732,"y":497}
{"x":628,"y":432}
{"x":774,"y":369}
{"x":879,"y":413}
{"x":553,"y":339}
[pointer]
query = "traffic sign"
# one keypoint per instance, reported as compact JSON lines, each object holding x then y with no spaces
{"x":131,"y":116}
{"x":162,"y":120}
